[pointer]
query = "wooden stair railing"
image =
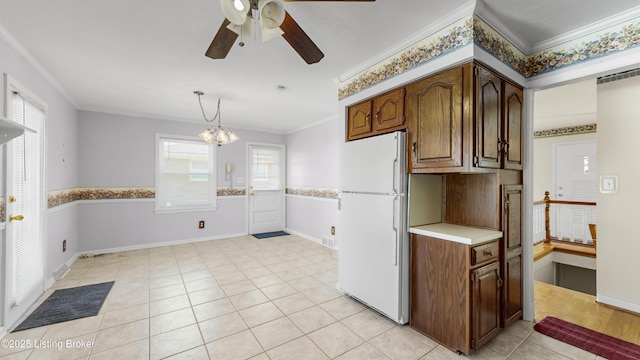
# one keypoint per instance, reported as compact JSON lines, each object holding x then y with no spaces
{"x":547,"y":206}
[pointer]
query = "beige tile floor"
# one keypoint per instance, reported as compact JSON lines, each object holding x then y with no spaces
{"x":241,"y":298}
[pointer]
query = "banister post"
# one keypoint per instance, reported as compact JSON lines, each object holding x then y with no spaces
{"x":547,"y":229}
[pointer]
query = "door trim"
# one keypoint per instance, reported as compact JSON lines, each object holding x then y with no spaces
{"x":11,"y":85}
{"x":248,"y":182}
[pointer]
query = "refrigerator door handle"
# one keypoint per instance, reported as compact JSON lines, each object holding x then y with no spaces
{"x":395,"y":230}
{"x":395,"y":176}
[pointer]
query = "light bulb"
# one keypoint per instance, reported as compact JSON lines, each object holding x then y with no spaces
{"x":238,"y":5}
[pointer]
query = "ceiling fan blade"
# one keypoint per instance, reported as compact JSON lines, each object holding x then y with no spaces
{"x":222,"y":42}
{"x":300,"y":41}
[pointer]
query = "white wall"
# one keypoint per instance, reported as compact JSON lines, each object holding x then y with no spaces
{"x":313,"y":162}
{"x":618,"y":239}
{"x":119,"y":151}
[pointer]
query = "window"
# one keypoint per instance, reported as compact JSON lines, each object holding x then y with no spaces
{"x":266,"y":168}
{"x":185,"y":174}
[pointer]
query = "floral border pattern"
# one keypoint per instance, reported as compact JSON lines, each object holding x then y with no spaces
{"x":312,"y":192}
{"x":612,"y":40}
{"x":495,"y":44}
{"x":61,"y":197}
{"x":472,"y":29}
{"x":438,"y":44}
{"x":565,"y":131}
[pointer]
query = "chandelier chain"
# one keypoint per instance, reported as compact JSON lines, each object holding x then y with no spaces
{"x":216,"y":116}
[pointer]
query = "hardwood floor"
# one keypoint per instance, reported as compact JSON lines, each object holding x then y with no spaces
{"x":582,"y":309}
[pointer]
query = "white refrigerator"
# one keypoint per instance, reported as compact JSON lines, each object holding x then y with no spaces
{"x":373,"y":255}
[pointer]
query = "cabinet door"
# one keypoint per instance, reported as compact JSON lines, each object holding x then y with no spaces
{"x":512,"y":265}
{"x":486,"y":285}
{"x":488,"y":120}
{"x":359,"y":120}
{"x":434,"y":108}
{"x":512,"y":217}
{"x":512,"y":290}
{"x":513,"y":113}
{"x":388,"y":110}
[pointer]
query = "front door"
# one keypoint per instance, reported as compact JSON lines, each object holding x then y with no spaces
{"x":575,"y":180}
{"x":266,"y":188}
{"x":24,"y":281}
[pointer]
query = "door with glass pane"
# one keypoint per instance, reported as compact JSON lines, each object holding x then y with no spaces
{"x":266,"y":188}
{"x":24,"y":259}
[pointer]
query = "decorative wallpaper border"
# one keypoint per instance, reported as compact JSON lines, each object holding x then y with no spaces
{"x":565,"y":131}
{"x":472,"y":29}
{"x":312,"y":192}
{"x":458,"y":35}
{"x":61,"y":197}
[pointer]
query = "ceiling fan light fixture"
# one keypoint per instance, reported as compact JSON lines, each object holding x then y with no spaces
{"x":235,"y":10}
{"x":272,"y":13}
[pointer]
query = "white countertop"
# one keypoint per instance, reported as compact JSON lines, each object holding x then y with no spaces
{"x":458,"y":233}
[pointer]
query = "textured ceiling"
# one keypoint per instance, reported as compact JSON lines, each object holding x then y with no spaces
{"x":145,"y":58}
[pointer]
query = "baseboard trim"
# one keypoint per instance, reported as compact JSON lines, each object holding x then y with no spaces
{"x":159,"y":244}
{"x":618,"y":303}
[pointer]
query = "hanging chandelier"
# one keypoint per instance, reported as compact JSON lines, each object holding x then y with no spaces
{"x":216,"y":133}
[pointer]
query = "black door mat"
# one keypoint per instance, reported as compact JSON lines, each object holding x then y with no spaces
{"x":68,"y":304}
{"x":270,"y":234}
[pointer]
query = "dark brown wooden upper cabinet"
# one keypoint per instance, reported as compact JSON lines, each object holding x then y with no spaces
{"x":435,"y":121}
{"x":498,"y":122}
{"x":513,"y":126}
{"x":489,"y":140}
{"x":359,"y":123}
{"x":388,"y":111}
{"x":381,"y":114}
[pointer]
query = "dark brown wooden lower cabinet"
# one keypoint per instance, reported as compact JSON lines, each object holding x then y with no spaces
{"x":512,"y":292}
{"x":486,"y":284}
{"x":454,"y":300}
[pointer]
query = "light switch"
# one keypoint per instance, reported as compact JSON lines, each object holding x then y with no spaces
{"x":608,"y":184}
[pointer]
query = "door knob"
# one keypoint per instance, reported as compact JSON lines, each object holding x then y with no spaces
{"x":251,"y":193}
{"x":16,"y":218}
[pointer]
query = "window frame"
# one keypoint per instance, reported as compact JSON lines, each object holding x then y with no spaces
{"x":159,"y":150}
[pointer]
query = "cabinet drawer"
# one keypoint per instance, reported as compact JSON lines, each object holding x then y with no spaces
{"x":483,"y":253}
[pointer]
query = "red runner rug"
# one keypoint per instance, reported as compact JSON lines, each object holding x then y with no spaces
{"x":589,"y":340}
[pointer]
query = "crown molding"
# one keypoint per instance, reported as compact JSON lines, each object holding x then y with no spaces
{"x":484,"y":13}
{"x":456,"y":15}
{"x":7,"y":36}
{"x":585,"y":30}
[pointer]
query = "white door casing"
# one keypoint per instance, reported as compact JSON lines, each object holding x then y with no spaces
{"x":25,"y":247}
{"x":575,"y":179}
{"x":266,"y":187}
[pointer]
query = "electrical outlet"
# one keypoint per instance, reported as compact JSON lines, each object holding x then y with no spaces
{"x":64,"y":245}
{"x":333,"y":230}
{"x":201,"y":224}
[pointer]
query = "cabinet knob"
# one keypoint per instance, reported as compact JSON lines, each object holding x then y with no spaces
{"x":487,"y":253}
{"x":378,"y":115}
{"x":413,"y":149}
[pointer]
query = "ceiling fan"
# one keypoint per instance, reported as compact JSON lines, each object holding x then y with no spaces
{"x":274,"y":21}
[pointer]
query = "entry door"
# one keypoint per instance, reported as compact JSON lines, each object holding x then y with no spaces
{"x":266,"y":188}
{"x":575,"y":180}
{"x":24,"y":206}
